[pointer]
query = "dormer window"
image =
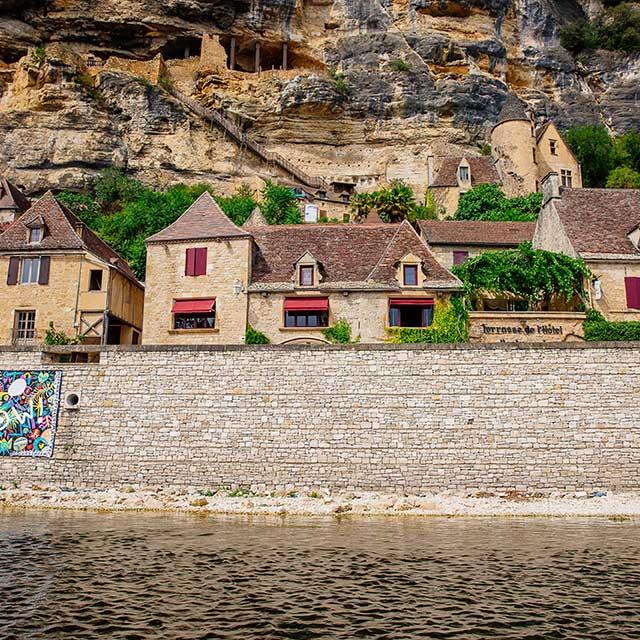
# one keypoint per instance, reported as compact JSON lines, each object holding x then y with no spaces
{"x":36,"y":235}
{"x":463,"y":172}
{"x":306,"y":275}
{"x":410,"y":275}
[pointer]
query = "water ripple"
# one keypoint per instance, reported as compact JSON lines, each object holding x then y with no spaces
{"x":128,"y":576}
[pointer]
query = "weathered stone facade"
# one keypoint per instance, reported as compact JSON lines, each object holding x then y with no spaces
{"x":407,"y":418}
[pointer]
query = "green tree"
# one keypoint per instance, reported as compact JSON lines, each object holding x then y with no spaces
{"x":238,"y":206}
{"x":595,"y":151}
{"x":84,"y":206}
{"x":393,"y":204}
{"x":114,"y":189}
{"x":623,"y":178}
{"x":488,"y":202}
{"x":627,"y":150}
{"x":279,"y":204}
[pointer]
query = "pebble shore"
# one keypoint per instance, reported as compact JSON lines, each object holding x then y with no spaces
{"x":340,"y":504}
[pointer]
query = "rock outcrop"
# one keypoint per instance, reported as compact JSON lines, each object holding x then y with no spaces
{"x":373,"y":87}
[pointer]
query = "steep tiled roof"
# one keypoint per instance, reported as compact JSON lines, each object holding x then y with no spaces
{"x":203,"y":220}
{"x":483,"y":171}
{"x":350,"y":255}
{"x":256,"y":219}
{"x":512,"y":109}
{"x":471,"y":232}
{"x":64,"y":231}
{"x":11,"y":197}
{"x":598,"y":221}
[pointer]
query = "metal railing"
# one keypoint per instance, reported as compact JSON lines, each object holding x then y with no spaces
{"x":244,"y":139}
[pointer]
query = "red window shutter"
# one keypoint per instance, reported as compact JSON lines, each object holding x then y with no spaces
{"x":632,"y":287}
{"x":190,"y":268}
{"x":45,"y":265}
{"x":14,"y":268}
{"x":201,"y":262}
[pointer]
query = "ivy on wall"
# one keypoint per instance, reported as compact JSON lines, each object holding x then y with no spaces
{"x":449,"y":326}
{"x":253,"y":336}
{"x":598,"y":329}
{"x":536,"y":276}
{"x":339,"y":333}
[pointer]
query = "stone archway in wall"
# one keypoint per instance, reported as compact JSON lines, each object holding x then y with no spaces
{"x":295,"y":341}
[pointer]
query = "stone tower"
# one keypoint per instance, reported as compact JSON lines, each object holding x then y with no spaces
{"x":514,"y":147}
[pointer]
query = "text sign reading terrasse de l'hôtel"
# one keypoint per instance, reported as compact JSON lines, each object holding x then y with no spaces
{"x":29,"y":403}
{"x":527,"y":330}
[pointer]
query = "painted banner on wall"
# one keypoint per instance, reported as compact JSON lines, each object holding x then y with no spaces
{"x":29,"y":403}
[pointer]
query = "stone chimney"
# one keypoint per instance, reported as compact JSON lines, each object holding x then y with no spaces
{"x":550,"y":187}
{"x":429,"y":170}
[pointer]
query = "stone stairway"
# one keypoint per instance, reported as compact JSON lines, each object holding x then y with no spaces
{"x":246,"y":140}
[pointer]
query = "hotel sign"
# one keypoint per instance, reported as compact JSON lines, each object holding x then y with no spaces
{"x":523,"y":330}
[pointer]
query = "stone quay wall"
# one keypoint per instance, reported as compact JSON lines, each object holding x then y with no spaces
{"x":487,"y":417}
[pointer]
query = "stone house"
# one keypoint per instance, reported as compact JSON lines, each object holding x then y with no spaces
{"x":13,"y":202}
{"x":525,"y":154}
{"x":455,"y":241}
{"x":57,"y":270}
{"x":602,"y":226}
{"x":451,"y":176}
{"x":207,"y":279}
{"x":325,"y":203}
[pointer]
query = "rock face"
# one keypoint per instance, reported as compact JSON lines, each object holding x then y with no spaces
{"x":373,"y":87}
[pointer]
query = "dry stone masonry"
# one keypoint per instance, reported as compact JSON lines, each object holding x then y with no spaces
{"x":533,"y":418}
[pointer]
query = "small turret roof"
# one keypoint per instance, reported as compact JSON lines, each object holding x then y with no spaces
{"x":513,"y":109}
{"x":203,"y":220}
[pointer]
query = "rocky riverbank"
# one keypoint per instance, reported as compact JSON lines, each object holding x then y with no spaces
{"x":357,"y":504}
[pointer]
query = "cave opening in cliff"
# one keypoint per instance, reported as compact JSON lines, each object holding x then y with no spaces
{"x":250,"y":56}
{"x":182,"y":47}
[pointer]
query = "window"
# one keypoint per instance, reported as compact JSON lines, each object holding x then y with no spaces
{"x":460,"y":256}
{"x":196,"y":262}
{"x":566,"y":179}
{"x":25,"y":326}
{"x":36,"y":235}
{"x":408,"y":312}
{"x":410,"y":275}
{"x":346,"y":217}
{"x":306,"y":276}
{"x":345,"y":197}
{"x":306,"y":319}
{"x":553,"y":147}
{"x":322,"y":195}
{"x":30,"y":270}
{"x":632,"y":288}
{"x":95,"y":280}
{"x":194,"y":314}
{"x":464,"y":174}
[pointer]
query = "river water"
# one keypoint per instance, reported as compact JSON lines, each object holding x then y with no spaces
{"x":79,"y":575}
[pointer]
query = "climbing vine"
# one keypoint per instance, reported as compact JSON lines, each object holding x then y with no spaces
{"x":537,"y":276}
{"x":449,"y":326}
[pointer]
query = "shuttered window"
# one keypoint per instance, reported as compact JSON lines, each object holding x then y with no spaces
{"x":14,"y":268}
{"x":45,"y":265}
{"x":29,"y":270}
{"x":196,"y":262}
{"x":632,"y":287}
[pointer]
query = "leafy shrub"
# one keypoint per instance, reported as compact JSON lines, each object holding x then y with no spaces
{"x":623,"y":178}
{"x":280,"y":205}
{"x":488,"y":202}
{"x":339,"y":333}
{"x":340,"y":82}
{"x":449,"y":326}
{"x":597,"y":329}
{"x":252,"y":336}
{"x":532,"y":274}
{"x":400,"y":65}
{"x":54,"y":336}
{"x":594,"y":150}
{"x":239,"y":205}
{"x":38,"y":55}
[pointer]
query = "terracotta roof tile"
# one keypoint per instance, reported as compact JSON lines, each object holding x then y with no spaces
{"x":483,"y":171}
{"x":349,"y":254}
{"x":599,"y":220}
{"x":471,"y":232}
{"x":63,"y":231}
{"x":11,"y":197}
{"x":203,"y":220}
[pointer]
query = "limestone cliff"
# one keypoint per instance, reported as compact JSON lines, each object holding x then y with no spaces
{"x":373,"y":87}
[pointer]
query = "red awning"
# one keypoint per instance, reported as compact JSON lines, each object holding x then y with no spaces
{"x":414,"y":302}
{"x":202,"y":305}
{"x":306,"y":304}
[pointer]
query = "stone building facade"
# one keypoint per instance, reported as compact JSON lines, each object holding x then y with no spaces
{"x":602,"y":226}
{"x":207,"y":279}
{"x":57,"y":270}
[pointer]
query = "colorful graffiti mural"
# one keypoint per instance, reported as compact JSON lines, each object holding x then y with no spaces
{"x":29,"y":403}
